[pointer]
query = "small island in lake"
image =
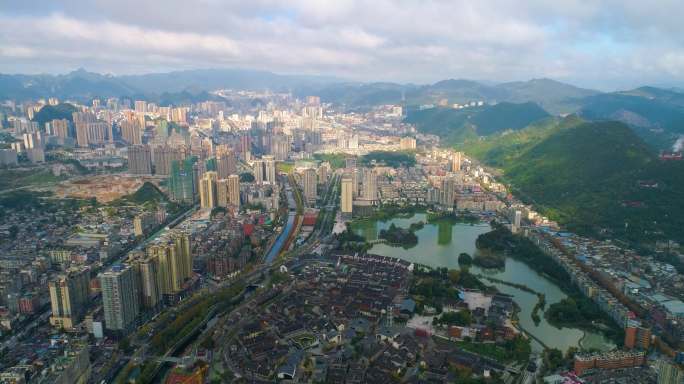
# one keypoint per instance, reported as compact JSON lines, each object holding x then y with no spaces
{"x":486,"y":259}
{"x":399,"y":236}
{"x":491,"y":246}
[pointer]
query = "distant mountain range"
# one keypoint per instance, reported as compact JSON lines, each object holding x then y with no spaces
{"x":82,"y":85}
{"x":656,"y":114}
{"x":554,"y":96}
{"x":586,"y":158}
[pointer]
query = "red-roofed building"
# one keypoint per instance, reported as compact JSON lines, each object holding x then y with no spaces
{"x":28,"y":304}
{"x":420,"y":332}
{"x":185,"y":376}
{"x":248,"y":229}
{"x":309,"y":220}
{"x":455,"y":332}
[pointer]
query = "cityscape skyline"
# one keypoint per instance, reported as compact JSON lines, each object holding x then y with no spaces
{"x":275,"y":231}
{"x":353,"y":192}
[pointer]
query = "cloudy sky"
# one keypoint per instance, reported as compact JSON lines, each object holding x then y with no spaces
{"x":600,"y":44}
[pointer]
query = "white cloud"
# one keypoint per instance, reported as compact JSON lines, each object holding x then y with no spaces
{"x":600,"y":44}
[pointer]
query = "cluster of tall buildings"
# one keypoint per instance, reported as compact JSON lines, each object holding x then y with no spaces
{"x":163,"y":157}
{"x":444,"y":194}
{"x":119,"y":297}
{"x":280,"y":147}
{"x":139,"y":159}
{"x":456,"y":160}
{"x":172,"y":266}
{"x":114,"y":122}
{"x":97,"y":126}
{"x":310,"y":184}
{"x":346,"y":195}
{"x":59,"y":128}
{"x":264,"y":170}
{"x":69,"y":296}
{"x":637,"y":337}
{"x":361,"y":190}
{"x":32,"y":144}
{"x":131,"y":131}
{"x":157,"y":158}
{"x":181,"y":182}
{"x":146,"y":281}
{"x":200,"y":171}
{"x":175,"y":114}
{"x":155,"y":140}
{"x":23,"y":125}
{"x":91,"y":131}
{"x":215,"y":192}
{"x":148,"y":153}
{"x":142,"y":284}
{"x":146,"y":221}
{"x":359,"y":186}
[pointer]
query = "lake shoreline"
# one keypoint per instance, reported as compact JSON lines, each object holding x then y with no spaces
{"x":440,"y":242}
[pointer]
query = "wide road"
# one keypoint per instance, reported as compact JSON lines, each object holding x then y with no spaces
{"x":328,"y":207}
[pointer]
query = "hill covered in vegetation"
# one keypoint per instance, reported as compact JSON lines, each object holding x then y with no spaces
{"x":459,"y":125}
{"x":505,"y":116}
{"x":52,"y":112}
{"x":500,"y":149}
{"x":596,"y":178}
{"x":656,"y":115}
{"x":148,"y":193}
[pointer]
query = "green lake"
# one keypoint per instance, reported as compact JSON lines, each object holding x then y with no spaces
{"x":439,"y":245}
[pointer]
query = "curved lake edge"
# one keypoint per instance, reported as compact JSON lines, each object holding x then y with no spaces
{"x":440,"y":243}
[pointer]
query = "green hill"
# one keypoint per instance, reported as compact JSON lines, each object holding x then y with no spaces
{"x":636,"y":110}
{"x":505,"y":116}
{"x":594,"y":177}
{"x":459,"y":125}
{"x":584,"y":160}
{"x":553,"y":96}
{"x":52,"y":112}
{"x":657,"y":115}
{"x":451,"y":125}
{"x":500,"y":149}
{"x":147,"y":193}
